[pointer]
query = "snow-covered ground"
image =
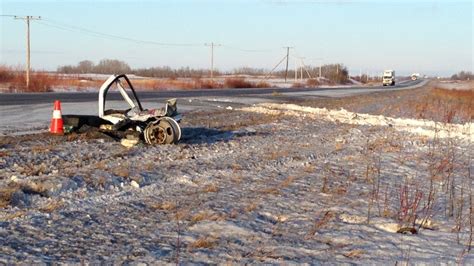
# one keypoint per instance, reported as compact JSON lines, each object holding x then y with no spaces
{"x":457,"y":85}
{"x":249,"y":183}
{"x":421,"y":127}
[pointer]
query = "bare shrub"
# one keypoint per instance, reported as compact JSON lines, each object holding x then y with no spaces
{"x":237,"y":83}
{"x":207,"y":84}
{"x":410,"y":198}
{"x":297,"y":85}
{"x":263,"y":84}
{"x":6,"y":74}
{"x":312,"y":82}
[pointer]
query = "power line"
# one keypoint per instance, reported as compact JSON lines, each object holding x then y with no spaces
{"x":63,"y":26}
{"x":246,"y":50}
{"x":271,"y":71}
{"x":72,"y":28}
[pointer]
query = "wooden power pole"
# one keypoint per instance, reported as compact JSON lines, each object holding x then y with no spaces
{"x":212,"y":58}
{"x":28,"y":63}
{"x":287,"y":58}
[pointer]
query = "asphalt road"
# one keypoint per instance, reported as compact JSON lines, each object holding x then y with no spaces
{"x":76,"y":97}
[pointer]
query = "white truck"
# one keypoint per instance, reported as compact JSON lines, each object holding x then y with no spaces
{"x":415,"y":76}
{"x":388,"y":78}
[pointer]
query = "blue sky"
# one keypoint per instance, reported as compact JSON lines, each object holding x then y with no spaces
{"x":432,"y":37}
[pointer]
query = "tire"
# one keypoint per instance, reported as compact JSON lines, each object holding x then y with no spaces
{"x":160,"y":132}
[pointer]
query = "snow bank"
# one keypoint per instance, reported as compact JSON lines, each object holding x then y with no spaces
{"x":426,"y":128}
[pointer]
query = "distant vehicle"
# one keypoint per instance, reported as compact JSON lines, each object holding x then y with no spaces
{"x":388,"y":78}
{"x":415,"y":76}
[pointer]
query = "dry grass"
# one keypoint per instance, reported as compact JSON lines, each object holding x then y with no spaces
{"x":429,"y":102}
{"x":297,"y":85}
{"x":354,"y":254}
{"x":251,"y":207}
{"x":452,"y":104}
{"x":242,"y":83}
{"x":158,"y":84}
{"x":237,"y":83}
{"x":51,"y":206}
{"x":121,"y":171}
{"x":309,"y":169}
{"x":14,"y":79}
{"x":271,"y":190}
{"x":274,"y":155}
{"x":312,"y":83}
{"x":263,"y":84}
{"x":6,"y":194}
{"x":203,"y":242}
{"x":41,"y":148}
{"x":277,"y":189}
{"x":287,"y":182}
{"x":206,"y":215}
{"x":102,"y":165}
{"x":210,"y":188}
{"x":14,"y":215}
{"x":163,"y":206}
{"x":322,"y":222}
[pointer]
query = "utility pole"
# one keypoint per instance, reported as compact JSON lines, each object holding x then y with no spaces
{"x":27,"y":20}
{"x":296,"y":70}
{"x":301,"y":68}
{"x":320,"y":64}
{"x":301,"y":71}
{"x":287,"y":58}
{"x":212,"y":58}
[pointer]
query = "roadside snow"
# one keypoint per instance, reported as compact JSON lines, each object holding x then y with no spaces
{"x":425,"y":128}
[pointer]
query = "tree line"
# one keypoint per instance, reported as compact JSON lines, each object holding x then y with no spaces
{"x":337,"y":73}
{"x":463,"y":75}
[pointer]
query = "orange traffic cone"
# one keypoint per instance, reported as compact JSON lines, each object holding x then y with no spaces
{"x":57,"y":121}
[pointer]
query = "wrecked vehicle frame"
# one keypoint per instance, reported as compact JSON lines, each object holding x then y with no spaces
{"x":154,"y":126}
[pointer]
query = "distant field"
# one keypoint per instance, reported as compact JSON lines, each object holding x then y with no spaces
{"x":434,"y":101}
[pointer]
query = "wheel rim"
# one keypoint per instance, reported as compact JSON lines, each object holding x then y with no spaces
{"x":176,"y":127}
{"x":161,"y":132}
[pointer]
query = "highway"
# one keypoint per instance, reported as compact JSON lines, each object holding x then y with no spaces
{"x":77,"y":97}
